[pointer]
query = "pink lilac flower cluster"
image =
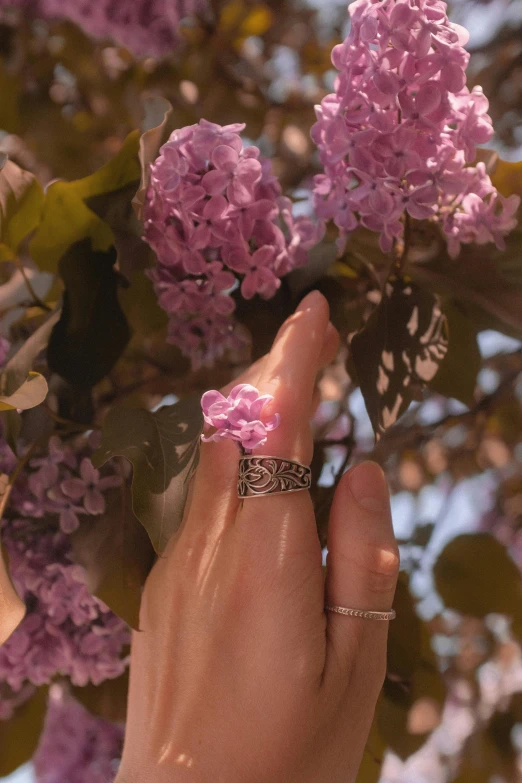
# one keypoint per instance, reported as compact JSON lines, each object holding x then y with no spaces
{"x":215,"y":218}
{"x":75,"y":746}
{"x":237,"y":417}
{"x":399,"y":132}
{"x":148,"y":28}
{"x":64,"y":483}
{"x":66,"y":630}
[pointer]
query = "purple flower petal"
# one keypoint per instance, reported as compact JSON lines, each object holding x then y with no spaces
{"x":244,"y":391}
{"x":74,"y":488}
{"x":210,"y":398}
{"x":215,"y":182}
{"x":69,"y":522}
{"x":94,"y":502}
{"x":225,"y":158}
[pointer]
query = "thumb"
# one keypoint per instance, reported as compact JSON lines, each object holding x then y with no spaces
{"x":362,"y":567}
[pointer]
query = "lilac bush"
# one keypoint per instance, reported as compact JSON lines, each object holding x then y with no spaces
{"x":400,"y":131}
{"x":66,"y":630}
{"x":148,"y":28}
{"x":396,"y":141}
{"x":64,"y":483}
{"x":215,"y":218}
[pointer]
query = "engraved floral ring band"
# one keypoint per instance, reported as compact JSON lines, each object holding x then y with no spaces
{"x":261,"y":475}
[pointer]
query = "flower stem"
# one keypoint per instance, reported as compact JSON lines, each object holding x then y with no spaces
{"x":400,"y":262}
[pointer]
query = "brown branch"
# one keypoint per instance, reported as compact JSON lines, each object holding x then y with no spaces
{"x":349,"y":443}
{"x":72,"y":426}
{"x":399,"y":436}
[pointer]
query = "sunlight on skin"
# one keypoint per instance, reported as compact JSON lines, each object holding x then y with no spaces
{"x":209,"y":554}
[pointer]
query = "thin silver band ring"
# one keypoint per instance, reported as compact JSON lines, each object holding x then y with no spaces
{"x":390,"y":615}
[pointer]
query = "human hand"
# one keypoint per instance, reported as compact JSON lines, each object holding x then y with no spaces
{"x":239,"y":674}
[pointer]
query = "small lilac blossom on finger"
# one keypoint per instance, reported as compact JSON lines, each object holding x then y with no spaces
{"x":237,"y":417}
{"x":398,"y":136}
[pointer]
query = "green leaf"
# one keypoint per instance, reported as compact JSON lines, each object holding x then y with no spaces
{"x":30,"y":394}
{"x":21,"y":363}
{"x":457,"y":375}
{"x":156,"y":127}
{"x":92,"y":331}
{"x":140,"y":305}
{"x":11,"y":91}
{"x":19,"y":736}
{"x":117,"y":555}
{"x":475,"y":575}
{"x":108,"y":700}
{"x":507,"y":176}
{"x":11,"y":427}
{"x":21,"y":199}
{"x":399,"y":348}
{"x":484,"y":281}
{"x":66,"y":219}
{"x":115,"y":209}
{"x":392,"y":717}
{"x":163,"y":448}
{"x":12,"y":608}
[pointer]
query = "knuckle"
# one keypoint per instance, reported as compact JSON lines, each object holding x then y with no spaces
{"x":382,"y":567}
{"x":377,"y":565}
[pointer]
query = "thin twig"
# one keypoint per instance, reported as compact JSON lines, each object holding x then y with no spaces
{"x":129,"y":389}
{"x":36,"y":299}
{"x":349,"y":444}
{"x":74,"y":426}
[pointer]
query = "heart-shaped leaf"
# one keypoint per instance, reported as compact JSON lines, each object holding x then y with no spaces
{"x":30,"y":394}
{"x":475,"y":575}
{"x":92,"y":331}
{"x":21,"y":199}
{"x":66,"y":219}
{"x":117,"y":555}
{"x":400,"y":347}
{"x":163,"y":448}
{"x":156,"y":127}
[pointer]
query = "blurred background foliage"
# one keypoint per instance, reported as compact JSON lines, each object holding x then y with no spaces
{"x":451,"y":707}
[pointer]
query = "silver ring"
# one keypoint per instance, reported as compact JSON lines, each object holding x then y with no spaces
{"x":262,"y":475}
{"x":362,"y":613}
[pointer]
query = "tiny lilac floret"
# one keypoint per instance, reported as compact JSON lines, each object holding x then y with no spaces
{"x":238,"y":416}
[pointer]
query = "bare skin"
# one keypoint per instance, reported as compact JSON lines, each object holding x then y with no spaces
{"x":238,"y":674}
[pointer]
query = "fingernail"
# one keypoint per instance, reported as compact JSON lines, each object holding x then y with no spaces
{"x":369,"y":487}
{"x":310,"y":301}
